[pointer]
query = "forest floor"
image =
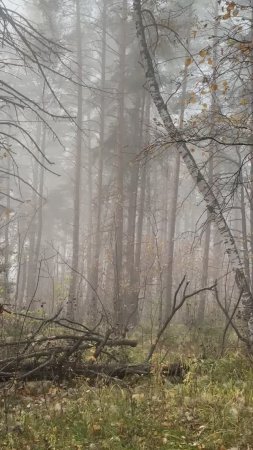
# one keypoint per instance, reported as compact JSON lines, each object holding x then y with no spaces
{"x":211,"y":409}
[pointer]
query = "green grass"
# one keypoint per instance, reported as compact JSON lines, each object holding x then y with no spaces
{"x":212,"y":409}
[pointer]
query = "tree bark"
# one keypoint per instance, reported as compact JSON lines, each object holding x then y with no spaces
{"x":72,"y":298}
{"x":33,"y":229}
{"x":41,"y":200}
{"x":118,"y":260}
{"x":142,"y":199}
{"x":211,"y":201}
{"x":7,"y":237}
{"x":131,"y":307}
{"x":244,"y":227}
{"x":173,"y":208}
{"x":92,"y":298}
{"x":206,"y":253}
{"x":251,"y":158}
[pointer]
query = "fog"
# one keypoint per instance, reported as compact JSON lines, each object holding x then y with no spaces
{"x":102,"y":213}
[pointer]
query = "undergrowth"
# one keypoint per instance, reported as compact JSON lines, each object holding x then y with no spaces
{"x":212,"y":410}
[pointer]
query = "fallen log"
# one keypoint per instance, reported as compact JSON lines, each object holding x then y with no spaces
{"x":78,"y":351}
{"x":64,"y":337}
{"x":41,"y":355}
{"x":51,"y":371}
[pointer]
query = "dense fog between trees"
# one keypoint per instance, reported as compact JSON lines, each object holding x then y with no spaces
{"x":126,"y":163}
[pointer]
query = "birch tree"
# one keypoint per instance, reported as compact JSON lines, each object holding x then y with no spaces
{"x":212,"y":204}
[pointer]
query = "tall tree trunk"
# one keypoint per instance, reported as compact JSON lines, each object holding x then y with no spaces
{"x":92,"y":298}
{"x":90,"y":256}
{"x":22,"y":280}
{"x":251,"y":159}
{"x":211,"y":201}
{"x":246,"y":259}
{"x":72,"y":298}
{"x":19,"y":297}
{"x":206,"y":253}
{"x":118,"y":261}
{"x":41,"y":200}
{"x":171,"y":236}
{"x":141,"y":207}
{"x":131,"y":296}
{"x":32,"y":231}
{"x":165,"y":219}
{"x":173,"y":209}
{"x":6,"y":236}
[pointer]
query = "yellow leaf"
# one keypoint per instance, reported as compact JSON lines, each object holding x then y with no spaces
{"x":225,"y":85}
{"x":188,"y":62}
{"x":245,"y":47}
{"x":226,"y":16}
{"x":244,"y":101}
{"x":138,"y":397}
{"x":203,"y":53}
{"x":231,"y":6}
{"x":210,"y":61}
{"x":96,"y":428}
{"x":7,"y":212}
{"x":214,"y":87}
{"x":193,"y":98}
{"x":91,"y":358}
{"x":53,"y":392}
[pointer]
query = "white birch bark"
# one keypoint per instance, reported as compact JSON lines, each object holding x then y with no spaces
{"x":211,"y":201}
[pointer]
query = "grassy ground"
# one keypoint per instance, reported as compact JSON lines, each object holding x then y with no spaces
{"x":212,"y":409}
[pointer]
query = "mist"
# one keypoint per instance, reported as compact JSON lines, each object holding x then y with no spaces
{"x":126,"y":170}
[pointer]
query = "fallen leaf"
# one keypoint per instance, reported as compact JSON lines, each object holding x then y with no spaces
{"x":57,"y":407}
{"x":214,"y":87}
{"x":188,"y":62}
{"x":244,"y":101}
{"x":226,"y":16}
{"x":96,"y":428}
{"x":138,"y":397}
{"x":231,"y":6}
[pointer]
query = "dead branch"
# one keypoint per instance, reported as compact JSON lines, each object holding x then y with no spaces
{"x":42,"y":355}
{"x":230,"y":319}
{"x":175,"y":307}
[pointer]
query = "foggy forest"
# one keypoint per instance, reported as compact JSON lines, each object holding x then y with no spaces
{"x":126,"y":224}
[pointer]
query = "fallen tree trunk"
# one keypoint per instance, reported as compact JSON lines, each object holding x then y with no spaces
{"x":89,"y":354}
{"x":83,"y":352}
{"x":48,"y":354}
{"x":51,"y":371}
